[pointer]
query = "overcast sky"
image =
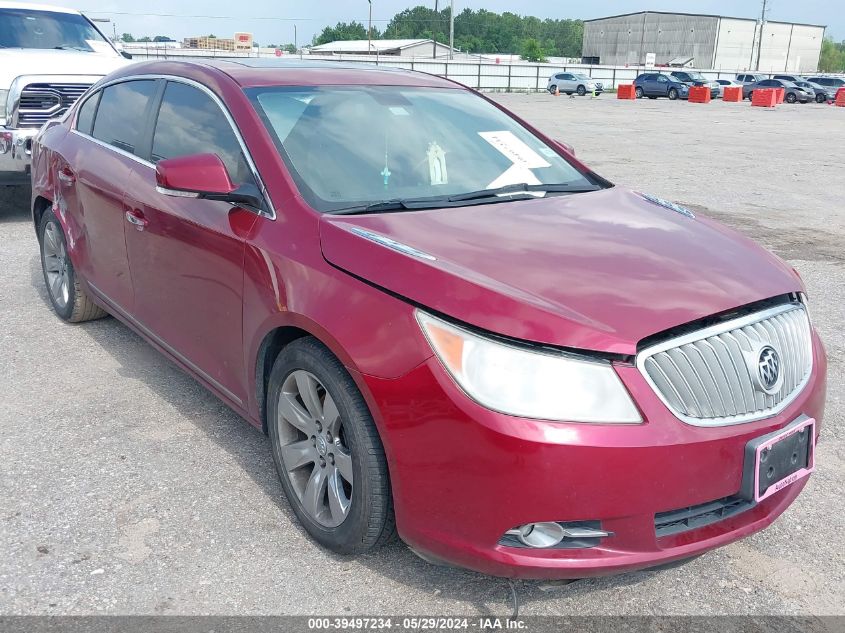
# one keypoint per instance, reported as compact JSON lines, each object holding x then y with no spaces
{"x":272,"y":21}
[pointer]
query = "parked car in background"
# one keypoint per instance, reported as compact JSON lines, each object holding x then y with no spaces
{"x":822,"y":93}
{"x":646,"y":386}
{"x":834,"y":83}
{"x":750,"y":78}
{"x":695,"y":78}
{"x":793,"y":78}
{"x":49,"y":56}
{"x":654,"y":85}
{"x":792,"y":93}
{"x":574,"y":83}
{"x":729,"y":83}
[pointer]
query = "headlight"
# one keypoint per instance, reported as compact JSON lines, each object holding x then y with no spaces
{"x":528,"y":383}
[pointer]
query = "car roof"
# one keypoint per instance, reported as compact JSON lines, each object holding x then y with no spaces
{"x":252,"y":72}
{"x":36,"y":7}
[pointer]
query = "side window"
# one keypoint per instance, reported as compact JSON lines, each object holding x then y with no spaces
{"x":662,"y":78}
{"x":121,"y":115}
{"x":85,"y":117}
{"x":567,"y":77}
{"x":189,"y":122}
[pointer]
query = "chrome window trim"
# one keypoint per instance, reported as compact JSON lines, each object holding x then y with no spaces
{"x":721,"y":328}
{"x":270,"y":213}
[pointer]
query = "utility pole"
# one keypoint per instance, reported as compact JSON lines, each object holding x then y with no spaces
{"x":762,"y":27}
{"x":437,"y":22}
{"x":370,"y":30}
{"x":451,"y":28}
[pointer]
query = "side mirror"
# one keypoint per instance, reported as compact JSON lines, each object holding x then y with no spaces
{"x":126,"y":55}
{"x":203,"y":176}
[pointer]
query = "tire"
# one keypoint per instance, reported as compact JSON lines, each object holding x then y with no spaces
{"x":820,"y":99}
{"x":673,"y":94}
{"x":750,"y":95}
{"x":552,"y":89}
{"x":581,"y":90}
{"x":342,"y":461}
{"x":791,"y":98}
{"x":67,"y":297}
{"x":638,"y":92}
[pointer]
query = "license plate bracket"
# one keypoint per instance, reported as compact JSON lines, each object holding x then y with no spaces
{"x":778,"y":459}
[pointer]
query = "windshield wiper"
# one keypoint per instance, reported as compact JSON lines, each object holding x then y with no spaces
{"x":564,"y":187}
{"x":508,"y":193}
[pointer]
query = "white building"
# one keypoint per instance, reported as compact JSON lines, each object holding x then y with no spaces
{"x":711,"y":41}
{"x":399,"y":48}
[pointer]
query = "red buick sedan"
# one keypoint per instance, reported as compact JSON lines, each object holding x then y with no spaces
{"x":450,"y":328}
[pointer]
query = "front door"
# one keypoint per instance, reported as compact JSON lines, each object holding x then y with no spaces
{"x":186,"y":254}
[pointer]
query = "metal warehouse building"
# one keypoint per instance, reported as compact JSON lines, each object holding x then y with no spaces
{"x":703,"y":41}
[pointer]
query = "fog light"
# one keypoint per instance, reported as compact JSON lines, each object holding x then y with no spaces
{"x":539,"y":534}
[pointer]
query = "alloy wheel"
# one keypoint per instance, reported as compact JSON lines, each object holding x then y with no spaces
{"x":56,"y":264}
{"x":314,"y":450}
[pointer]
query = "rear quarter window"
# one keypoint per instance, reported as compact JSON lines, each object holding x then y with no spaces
{"x":85,"y":118}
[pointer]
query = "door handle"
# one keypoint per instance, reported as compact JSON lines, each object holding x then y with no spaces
{"x":66,"y":175}
{"x":137,"y":219}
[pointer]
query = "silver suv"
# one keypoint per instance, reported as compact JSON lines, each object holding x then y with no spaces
{"x":570,"y":83}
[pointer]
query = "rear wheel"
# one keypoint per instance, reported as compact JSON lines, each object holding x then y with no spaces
{"x":581,"y":90}
{"x":552,"y":88}
{"x":67,"y":297}
{"x":327,"y":450}
{"x":638,"y":91}
{"x":673,"y":94}
{"x":820,"y":99}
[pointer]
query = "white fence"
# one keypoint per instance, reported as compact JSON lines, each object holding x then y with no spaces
{"x":475,"y":73}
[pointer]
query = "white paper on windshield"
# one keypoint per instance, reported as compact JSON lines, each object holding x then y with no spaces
{"x":517,"y":175}
{"x":517,"y":151}
{"x":99,"y":47}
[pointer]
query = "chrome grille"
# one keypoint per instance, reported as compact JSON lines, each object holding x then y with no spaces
{"x":708,"y":377}
{"x":40,"y":102}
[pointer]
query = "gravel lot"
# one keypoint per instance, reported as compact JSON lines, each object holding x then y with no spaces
{"x":126,"y":488}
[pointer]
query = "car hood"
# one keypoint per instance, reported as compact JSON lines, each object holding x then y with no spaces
{"x":597,"y":271}
{"x":15,"y":62}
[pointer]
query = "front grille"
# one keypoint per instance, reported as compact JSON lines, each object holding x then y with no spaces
{"x":40,"y":102}
{"x":693,"y":517}
{"x":710,"y":377}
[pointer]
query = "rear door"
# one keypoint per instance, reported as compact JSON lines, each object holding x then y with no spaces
{"x":661,"y":85}
{"x":109,"y":129}
{"x":186,"y":254}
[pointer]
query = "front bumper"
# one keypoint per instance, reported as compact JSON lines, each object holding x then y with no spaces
{"x":463,"y":475}
{"x":15,"y":154}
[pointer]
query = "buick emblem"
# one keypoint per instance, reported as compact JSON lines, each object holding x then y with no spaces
{"x":769,"y":374}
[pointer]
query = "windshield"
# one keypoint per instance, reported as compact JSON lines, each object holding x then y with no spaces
{"x":359,"y":145}
{"x":582,"y":76}
{"x":697,"y":77}
{"x":26,"y":28}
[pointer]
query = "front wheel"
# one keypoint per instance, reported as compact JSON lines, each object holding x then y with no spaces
{"x":791,"y":98}
{"x":638,"y":92}
{"x":581,"y":90}
{"x":67,"y":297}
{"x":327,"y":450}
{"x":820,"y":99}
{"x":673,"y":94}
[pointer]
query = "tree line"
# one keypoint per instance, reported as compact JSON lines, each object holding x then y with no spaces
{"x":478,"y":31}
{"x":832,"y":59}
